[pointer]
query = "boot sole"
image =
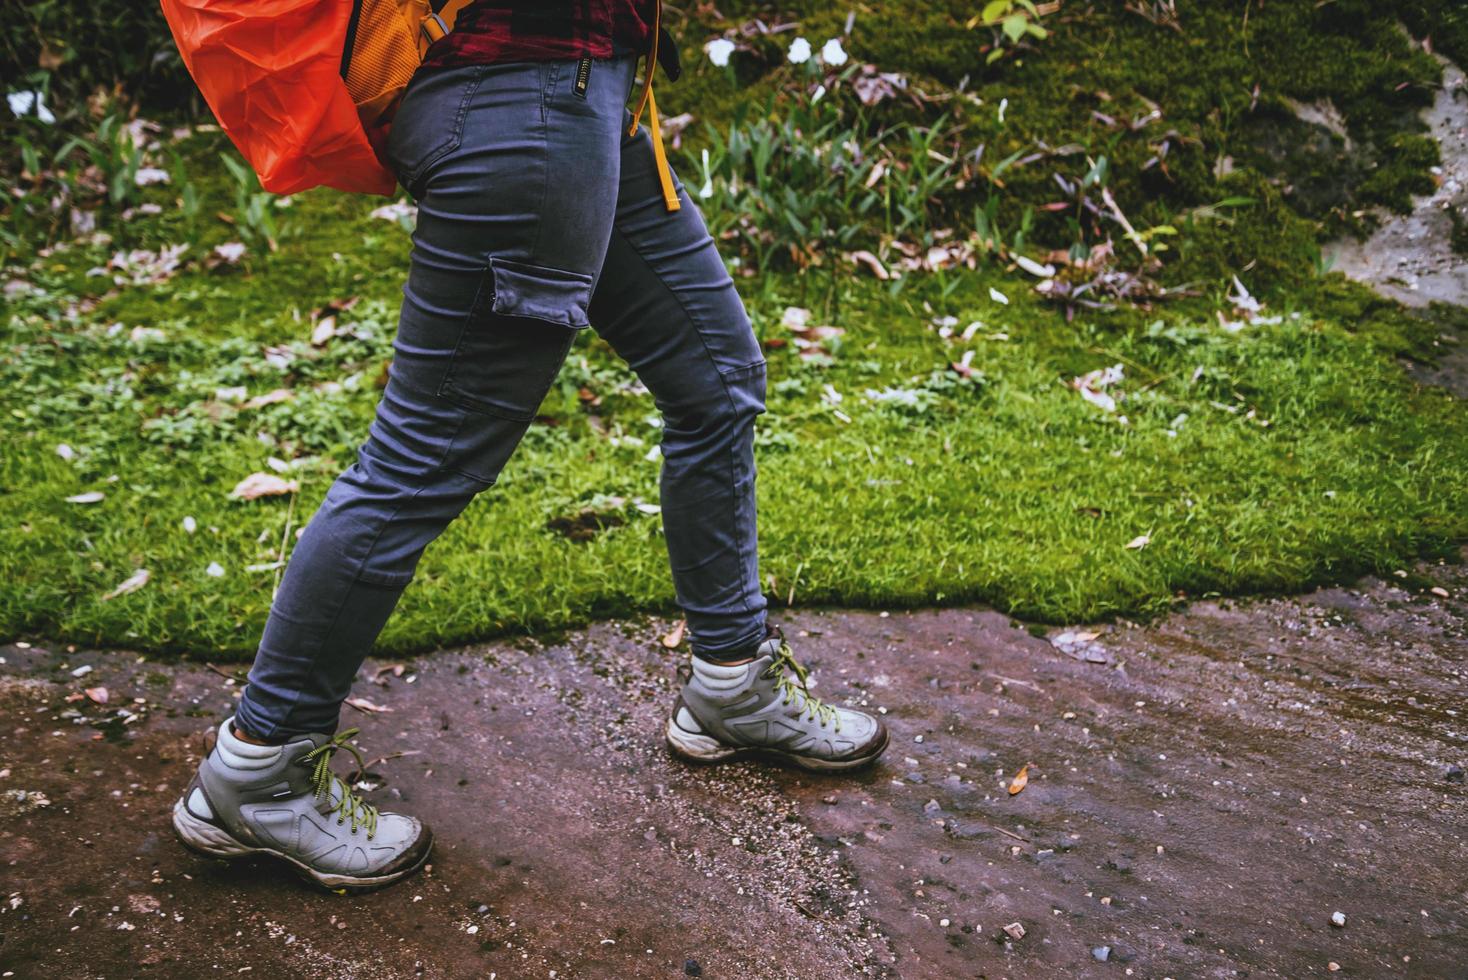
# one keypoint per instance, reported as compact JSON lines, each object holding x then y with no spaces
{"x":706,"y":750}
{"x":206,"y":839}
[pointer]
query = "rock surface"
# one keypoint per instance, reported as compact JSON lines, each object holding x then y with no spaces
{"x":1410,"y":257}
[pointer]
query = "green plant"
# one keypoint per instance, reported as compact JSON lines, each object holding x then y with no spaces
{"x":811,"y":175}
{"x":1011,"y":22}
{"x":116,"y":155}
{"x":253,"y":205}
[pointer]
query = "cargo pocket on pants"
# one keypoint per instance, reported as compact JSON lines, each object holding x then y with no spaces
{"x":515,"y":337}
{"x":540,"y":292}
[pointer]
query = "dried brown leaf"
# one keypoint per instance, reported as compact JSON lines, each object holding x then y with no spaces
{"x":132,"y":583}
{"x":362,"y":704}
{"x":263,"y":485}
{"x":1020,"y":781}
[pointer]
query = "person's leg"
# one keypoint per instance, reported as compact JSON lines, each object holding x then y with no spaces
{"x":515,"y":179}
{"x":667,"y":305}
{"x":516,"y":182}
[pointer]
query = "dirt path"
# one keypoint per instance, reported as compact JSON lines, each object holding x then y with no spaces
{"x":1204,"y":794}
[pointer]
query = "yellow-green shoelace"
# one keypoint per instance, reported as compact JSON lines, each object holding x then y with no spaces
{"x":350,"y":806}
{"x":785,"y":660}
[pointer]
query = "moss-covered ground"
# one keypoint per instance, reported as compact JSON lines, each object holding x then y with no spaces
{"x":1241,"y":456}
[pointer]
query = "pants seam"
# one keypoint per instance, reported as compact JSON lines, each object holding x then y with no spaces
{"x":346,"y":593}
{"x":740,"y":549}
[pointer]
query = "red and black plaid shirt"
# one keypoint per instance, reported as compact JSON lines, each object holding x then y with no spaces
{"x":490,"y":31}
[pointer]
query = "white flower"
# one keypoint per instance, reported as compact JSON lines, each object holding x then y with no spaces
{"x":150,"y":175}
{"x":997,"y":296}
{"x":719,"y":50}
{"x":818,"y":94}
{"x":215,"y":570}
{"x":833,"y":54}
{"x":21,"y":104}
{"x":799,"y":51}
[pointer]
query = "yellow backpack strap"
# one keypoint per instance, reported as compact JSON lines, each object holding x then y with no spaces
{"x":440,"y":19}
{"x":648,"y":102}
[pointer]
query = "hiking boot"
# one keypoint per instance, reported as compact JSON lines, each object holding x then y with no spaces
{"x":764,"y":708}
{"x":284,"y":801}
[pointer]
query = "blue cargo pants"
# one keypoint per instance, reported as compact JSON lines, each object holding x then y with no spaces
{"x":538,"y":215}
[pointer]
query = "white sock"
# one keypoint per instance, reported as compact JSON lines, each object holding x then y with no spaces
{"x":236,"y":753}
{"x":720,"y":678}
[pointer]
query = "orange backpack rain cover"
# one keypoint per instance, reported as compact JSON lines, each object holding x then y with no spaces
{"x":271,"y":71}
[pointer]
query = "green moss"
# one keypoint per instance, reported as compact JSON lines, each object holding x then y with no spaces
{"x":1445,"y":22}
{"x":1230,"y":106}
{"x":1460,"y":230}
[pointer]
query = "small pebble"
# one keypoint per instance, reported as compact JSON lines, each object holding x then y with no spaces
{"x":1333,"y":966}
{"x":1453,"y":774}
{"x":1015,"y":930}
{"x":944,"y":923}
{"x":1101,"y":953}
{"x":1338,"y":919}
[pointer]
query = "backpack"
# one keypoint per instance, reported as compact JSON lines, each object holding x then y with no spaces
{"x":306,"y":89}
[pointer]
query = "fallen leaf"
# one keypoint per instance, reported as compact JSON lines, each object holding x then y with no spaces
{"x":132,"y":583}
{"x":1092,"y":386}
{"x":269,"y":398}
{"x":1021,"y":780}
{"x":399,"y":210}
{"x":325,"y":329}
{"x":229,"y":253}
{"x":362,"y":704}
{"x":1034,"y":268}
{"x":871,"y":262}
{"x":90,"y":497}
{"x":675,"y":635}
{"x":795,"y":318}
{"x":258,"y":485}
{"x":1139,"y":542}
{"x":98,"y":695}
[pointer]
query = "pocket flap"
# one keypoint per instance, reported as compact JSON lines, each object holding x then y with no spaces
{"x":540,"y":292}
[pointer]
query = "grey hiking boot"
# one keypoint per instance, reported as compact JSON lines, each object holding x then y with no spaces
{"x":284,"y":801}
{"x":764,"y":708}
